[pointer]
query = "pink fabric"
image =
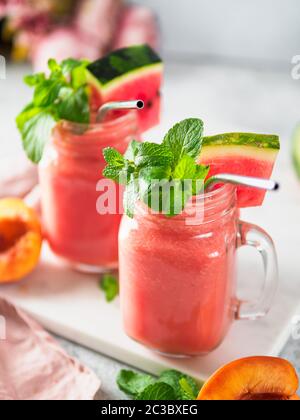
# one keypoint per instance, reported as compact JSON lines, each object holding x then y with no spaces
{"x":34,"y":367}
{"x":18,"y":177}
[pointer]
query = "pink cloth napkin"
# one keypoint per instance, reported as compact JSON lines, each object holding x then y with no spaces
{"x":34,"y":367}
{"x":18,"y":177}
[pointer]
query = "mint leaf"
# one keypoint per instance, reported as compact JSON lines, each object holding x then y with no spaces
{"x":34,"y":79}
{"x":28,"y":112}
{"x":61,"y":95}
{"x":152,"y":154}
{"x":113,"y":157}
{"x":188,"y":393}
{"x":75,"y":72}
{"x":69,"y":65}
{"x":74,"y":106}
{"x":163,"y":176}
{"x":153,"y":185}
{"x":116,"y":165}
{"x":79,"y":77}
{"x":180,"y":194}
{"x":201,"y":174}
{"x":36,"y":130}
{"x":118,"y":169}
{"x":132,"y":383}
{"x":113,"y":173}
{"x":158,"y":392}
{"x":185,"y":168}
{"x":131,"y":196}
{"x":132,"y":150}
{"x":178,"y":380}
{"x":171,"y":385}
{"x":46,"y":92}
{"x":53,"y":65}
{"x":110,"y":286}
{"x":185,"y":138}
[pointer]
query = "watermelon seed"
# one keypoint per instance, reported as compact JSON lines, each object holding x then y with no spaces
{"x":149,"y":104}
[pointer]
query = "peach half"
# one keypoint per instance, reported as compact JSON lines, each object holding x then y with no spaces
{"x":253,"y":378}
{"x":20,"y":240}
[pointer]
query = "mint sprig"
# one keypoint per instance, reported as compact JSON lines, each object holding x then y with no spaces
{"x":170,"y":385}
{"x":60,"y":95}
{"x":163,"y":176}
{"x":183,"y":139}
{"x":109,"y":284}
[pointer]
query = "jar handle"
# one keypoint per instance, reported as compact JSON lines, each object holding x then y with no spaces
{"x":254,"y":236}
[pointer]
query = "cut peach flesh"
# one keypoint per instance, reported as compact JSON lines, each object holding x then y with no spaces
{"x":254,"y":378}
{"x":20,"y":240}
{"x":264,"y":397}
{"x":10,"y":232}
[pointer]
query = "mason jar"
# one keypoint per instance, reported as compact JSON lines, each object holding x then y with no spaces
{"x":178,"y":275}
{"x":71,"y":181}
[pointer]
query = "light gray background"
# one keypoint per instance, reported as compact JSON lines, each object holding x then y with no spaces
{"x":244,"y":30}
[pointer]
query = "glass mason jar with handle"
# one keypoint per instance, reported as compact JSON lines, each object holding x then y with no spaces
{"x":70,"y":171}
{"x":178,"y":275}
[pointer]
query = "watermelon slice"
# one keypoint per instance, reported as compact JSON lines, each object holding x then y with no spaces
{"x":129,"y":74}
{"x":242,"y":154}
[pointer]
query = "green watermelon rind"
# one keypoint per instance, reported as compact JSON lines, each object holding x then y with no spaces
{"x":115,"y":83}
{"x":296,"y":150}
{"x":258,"y":141}
{"x":117,"y":66}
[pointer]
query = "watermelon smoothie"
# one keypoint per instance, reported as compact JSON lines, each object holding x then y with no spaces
{"x":178,"y":275}
{"x":178,"y":280}
{"x":69,"y":172}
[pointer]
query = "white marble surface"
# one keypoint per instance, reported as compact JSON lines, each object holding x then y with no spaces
{"x":227,"y":99}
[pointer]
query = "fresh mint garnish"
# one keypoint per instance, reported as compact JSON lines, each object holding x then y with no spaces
{"x":110,"y":286}
{"x":188,"y":390}
{"x":163,"y":176}
{"x":176,"y":380}
{"x":153,"y":155}
{"x":60,"y":95}
{"x":170,"y":385}
{"x":133,"y":383}
{"x":158,"y":392}
{"x":185,"y":138}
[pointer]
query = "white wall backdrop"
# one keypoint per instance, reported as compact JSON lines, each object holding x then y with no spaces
{"x":255,"y":29}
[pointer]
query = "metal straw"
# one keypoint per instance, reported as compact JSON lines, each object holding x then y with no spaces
{"x":117,"y":106}
{"x":246,"y":181}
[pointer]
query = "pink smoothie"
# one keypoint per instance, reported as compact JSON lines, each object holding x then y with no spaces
{"x":178,"y":282}
{"x":69,"y":172}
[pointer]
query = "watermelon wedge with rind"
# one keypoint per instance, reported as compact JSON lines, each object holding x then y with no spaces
{"x":242,"y":154}
{"x":129,"y":74}
{"x":296,"y":150}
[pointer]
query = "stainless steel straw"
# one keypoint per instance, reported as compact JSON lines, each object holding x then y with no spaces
{"x":117,"y":106}
{"x":247,"y":181}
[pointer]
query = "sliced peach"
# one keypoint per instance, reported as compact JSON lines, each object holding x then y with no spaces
{"x":20,"y":240}
{"x":254,"y":378}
